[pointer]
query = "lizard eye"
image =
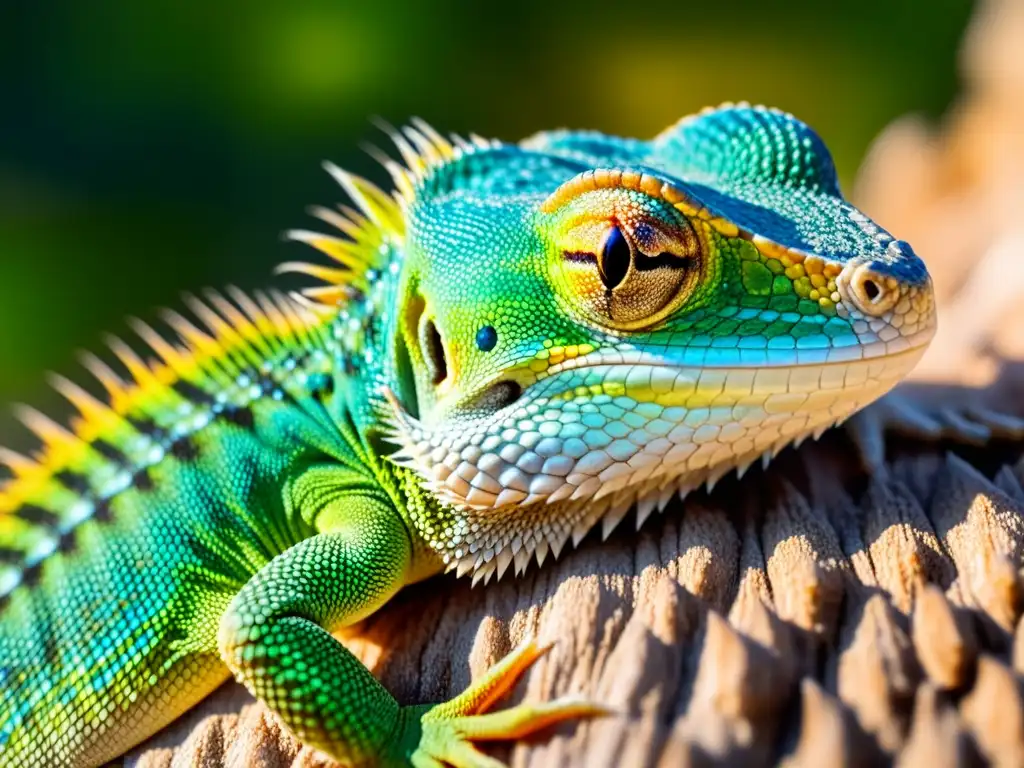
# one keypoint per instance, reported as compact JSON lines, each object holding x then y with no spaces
{"x":629,"y":275}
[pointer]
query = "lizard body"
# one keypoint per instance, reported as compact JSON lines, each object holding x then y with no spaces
{"x":521,"y":342}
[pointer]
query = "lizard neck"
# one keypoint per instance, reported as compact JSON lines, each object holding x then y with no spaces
{"x":367,"y":351}
{"x":369,"y":359}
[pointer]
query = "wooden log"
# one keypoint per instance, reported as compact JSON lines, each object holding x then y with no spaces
{"x":780,"y":619}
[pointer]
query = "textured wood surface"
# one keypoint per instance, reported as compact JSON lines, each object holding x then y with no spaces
{"x":778,"y":618}
{"x":808,"y":615}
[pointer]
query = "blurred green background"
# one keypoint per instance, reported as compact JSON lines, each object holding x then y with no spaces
{"x":149,"y":147}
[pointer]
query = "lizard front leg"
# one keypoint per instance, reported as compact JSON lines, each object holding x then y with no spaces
{"x":274,"y":636}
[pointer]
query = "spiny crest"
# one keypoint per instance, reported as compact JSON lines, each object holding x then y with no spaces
{"x":234,"y":336}
{"x":363,"y":245}
{"x":368,"y":231}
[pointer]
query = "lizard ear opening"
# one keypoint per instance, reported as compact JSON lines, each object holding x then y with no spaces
{"x":432,"y":349}
{"x":624,"y":254}
{"x":424,"y":348}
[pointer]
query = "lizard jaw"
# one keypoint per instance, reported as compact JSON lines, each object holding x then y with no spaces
{"x":509,"y":501}
{"x":650,"y":421}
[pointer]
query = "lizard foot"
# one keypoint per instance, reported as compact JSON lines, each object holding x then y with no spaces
{"x":444,"y":733}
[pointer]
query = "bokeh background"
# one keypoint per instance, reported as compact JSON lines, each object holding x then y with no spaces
{"x":147,"y":148}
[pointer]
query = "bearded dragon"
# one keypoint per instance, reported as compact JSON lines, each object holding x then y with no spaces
{"x":518,"y":343}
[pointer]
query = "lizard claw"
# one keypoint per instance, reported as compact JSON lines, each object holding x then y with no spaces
{"x":446,"y":732}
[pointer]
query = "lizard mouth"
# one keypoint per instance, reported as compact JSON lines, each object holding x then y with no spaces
{"x":604,"y":423}
{"x":735,"y":359}
{"x":878,"y":339}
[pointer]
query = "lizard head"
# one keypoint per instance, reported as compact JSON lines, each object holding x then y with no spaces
{"x":593,"y":323}
{"x":627,"y":330}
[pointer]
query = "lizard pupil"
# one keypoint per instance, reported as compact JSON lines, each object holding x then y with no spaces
{"x":615,"y":257}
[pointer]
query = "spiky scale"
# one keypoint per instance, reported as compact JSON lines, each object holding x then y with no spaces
{"x":611,"y":519}
{"x":504,"y":560}
{"x":522,"y":560}
{"x":643,"y":510}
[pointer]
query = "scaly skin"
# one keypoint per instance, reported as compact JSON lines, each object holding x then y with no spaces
{"x":549,"y":332}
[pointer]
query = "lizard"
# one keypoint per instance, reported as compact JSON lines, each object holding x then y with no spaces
{"x":518,"y":343}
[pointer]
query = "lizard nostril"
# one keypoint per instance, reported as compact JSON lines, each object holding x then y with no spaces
{"x":871,"y":289}
{"x":870,"y":292}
